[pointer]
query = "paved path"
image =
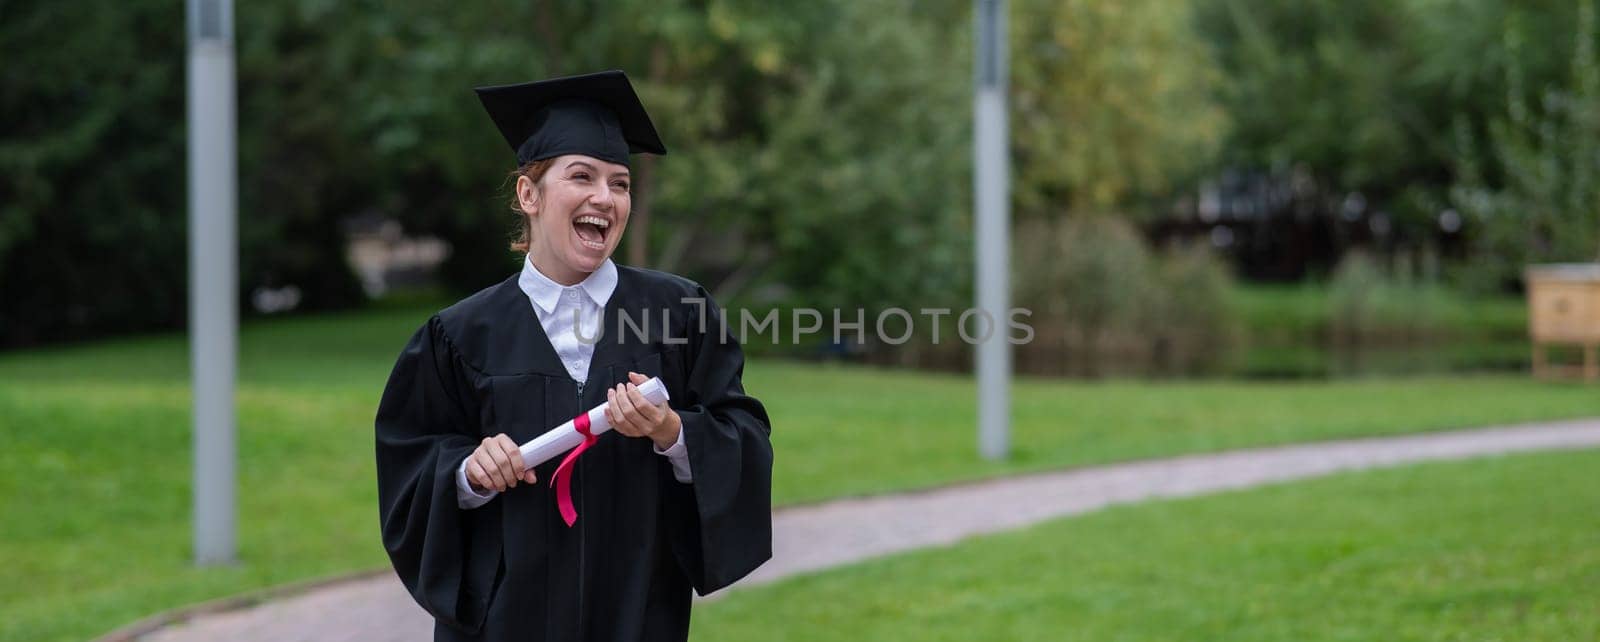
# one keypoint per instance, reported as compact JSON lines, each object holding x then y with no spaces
{"x":810,"y":538}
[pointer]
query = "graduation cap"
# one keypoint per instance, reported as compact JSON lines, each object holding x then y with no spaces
{"x":593,"y":114}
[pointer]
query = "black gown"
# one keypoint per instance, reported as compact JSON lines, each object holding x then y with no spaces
{"x":512,"y":569}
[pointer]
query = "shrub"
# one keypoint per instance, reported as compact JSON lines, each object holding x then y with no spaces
{"x":1194,"y":328}
{"x":1104,"y":304}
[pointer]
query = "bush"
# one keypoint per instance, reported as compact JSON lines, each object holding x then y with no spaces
{"x":1104,"y":304}
{"x":1367,"y":306}
{"x":1195,"y":328}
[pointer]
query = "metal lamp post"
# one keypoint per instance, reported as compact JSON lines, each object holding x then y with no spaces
{"x":991,"y":164}
{"x":213,"y":276}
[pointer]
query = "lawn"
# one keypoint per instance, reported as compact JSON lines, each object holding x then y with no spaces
{"x":94,"y":473}
{"x":1491,"y":549}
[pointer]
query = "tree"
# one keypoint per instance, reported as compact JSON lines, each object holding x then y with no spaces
{"x":1386,"y":107}
{"x":1535,"y":194}
{"x":1112,"y":103}
{"x":864,"y":178}
{"x":91,"y":162}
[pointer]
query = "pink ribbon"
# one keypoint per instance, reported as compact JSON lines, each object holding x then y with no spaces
{"x":563,"y":477}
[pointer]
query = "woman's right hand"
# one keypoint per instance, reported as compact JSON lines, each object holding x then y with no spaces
{"x":497,"y":465}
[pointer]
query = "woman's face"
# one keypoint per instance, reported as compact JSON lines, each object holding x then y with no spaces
{"x":578,"y":212}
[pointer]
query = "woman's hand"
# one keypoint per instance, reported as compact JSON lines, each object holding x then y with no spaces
{"x":497,"y":465}
{"x":631,"y":415}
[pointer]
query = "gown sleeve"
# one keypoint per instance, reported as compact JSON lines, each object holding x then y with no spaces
{"x":728,"y":530}
{"x":423,"y":431}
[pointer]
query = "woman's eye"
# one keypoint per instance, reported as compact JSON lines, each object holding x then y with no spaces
{"x":580,"y":176}
{"x":622,"y":185}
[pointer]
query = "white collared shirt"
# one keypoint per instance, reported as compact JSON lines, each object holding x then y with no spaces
{"x":571,"y":316}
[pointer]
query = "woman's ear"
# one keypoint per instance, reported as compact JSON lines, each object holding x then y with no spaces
{"x":528,"y":196}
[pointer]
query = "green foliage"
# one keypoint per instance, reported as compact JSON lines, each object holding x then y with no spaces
{"x":1320,"y":83}
{"x":1354,"y":100}
{"x":1373,"y":324}
{"x":1112,"y":103}
{"x":1535,"y":193}
{"x":814,"y":145}
{"x":864,"y":176}
{"x":820,"y":151}
{"x":1195,"y":330}
{"x":817,"y":146}
{"x":1355,"y":299}
{"x":1367,"y":304}
{"x":91,"y":161}
{"x":1419,"y":106}
{"x":1091,"y":273}
{"x":1103,"y":304}
{"x":1488,"y":549}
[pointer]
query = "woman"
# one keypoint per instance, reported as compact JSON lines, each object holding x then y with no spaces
{"x":675,"y":496}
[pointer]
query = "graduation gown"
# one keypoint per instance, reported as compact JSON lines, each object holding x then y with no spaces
{"x":512,"y":569}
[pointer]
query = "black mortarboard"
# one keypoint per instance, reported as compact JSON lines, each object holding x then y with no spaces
{"x":594,"y":114}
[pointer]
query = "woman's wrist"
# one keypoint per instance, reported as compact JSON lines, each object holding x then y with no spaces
{"x":667,"y":435}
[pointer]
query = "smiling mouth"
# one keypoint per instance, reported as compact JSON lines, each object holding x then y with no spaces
{"x":591,"y":231}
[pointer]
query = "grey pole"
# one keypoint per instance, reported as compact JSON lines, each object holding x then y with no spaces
{"x":991,"y":196}
{"x":213,"y":275}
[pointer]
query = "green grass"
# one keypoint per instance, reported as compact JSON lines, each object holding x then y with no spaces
{"x":1489,"y":549}
{"x":94,"y":469}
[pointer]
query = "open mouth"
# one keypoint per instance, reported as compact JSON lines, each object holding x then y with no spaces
{"x":591,"y":231}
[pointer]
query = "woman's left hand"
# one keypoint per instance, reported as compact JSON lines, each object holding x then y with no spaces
{"x":631,"y":415}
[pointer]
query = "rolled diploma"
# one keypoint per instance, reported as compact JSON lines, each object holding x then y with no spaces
{"x":563,"y":438}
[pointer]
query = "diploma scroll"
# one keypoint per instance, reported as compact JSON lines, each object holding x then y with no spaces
{"x":565,"y":437}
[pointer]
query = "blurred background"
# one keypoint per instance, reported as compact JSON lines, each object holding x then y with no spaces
{"x":1237,"y":222}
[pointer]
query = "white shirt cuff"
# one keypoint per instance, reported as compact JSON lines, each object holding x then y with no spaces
{"x":466,"y":497}
{"x":678,"y":455}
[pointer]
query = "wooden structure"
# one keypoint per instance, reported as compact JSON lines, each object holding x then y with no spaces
{"x":1564,"y":309}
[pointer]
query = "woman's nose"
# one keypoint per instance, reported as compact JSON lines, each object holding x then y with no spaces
{"x":602,"y":199}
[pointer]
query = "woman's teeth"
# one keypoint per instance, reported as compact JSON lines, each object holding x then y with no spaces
{"x":591,"y":231}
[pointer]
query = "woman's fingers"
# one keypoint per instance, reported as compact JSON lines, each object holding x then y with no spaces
{"x":513,"y":455}
{"x":491,"y":470}
{"x":651,"y":413}
{"x":614,"y":414}
{"x":519,"y":467}
{"x":499,"y":463}
{"x":630,"y":414}
{"x":615,"y":411}
{"x":475,"y":473}
{"x":646,"y":411}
